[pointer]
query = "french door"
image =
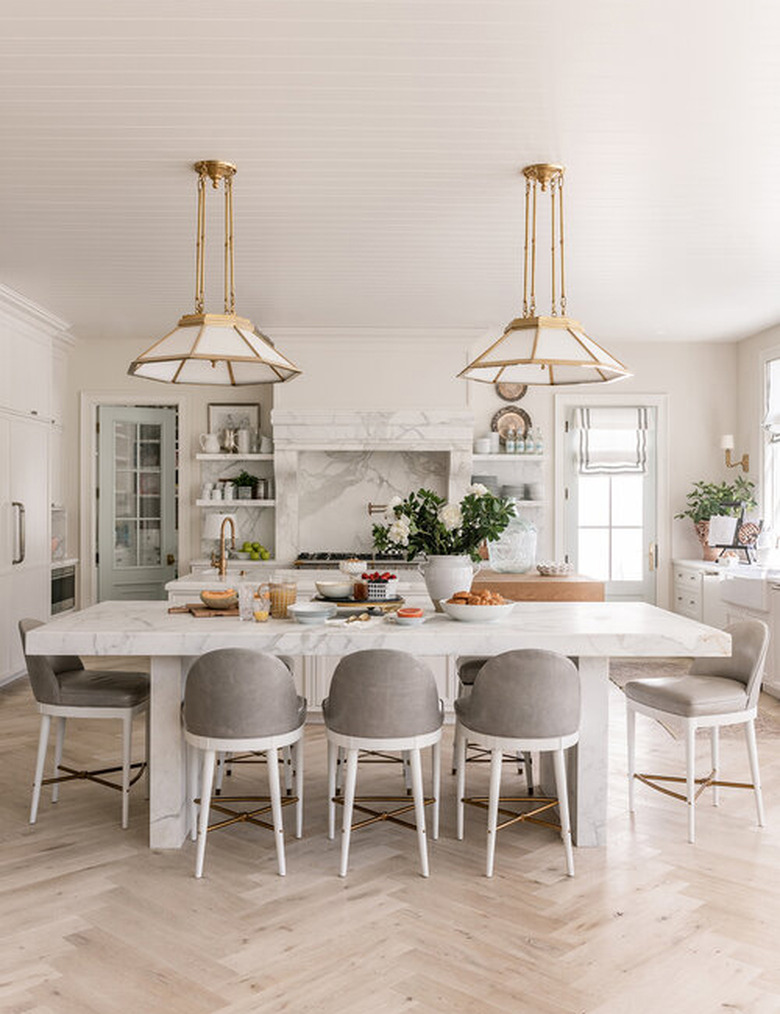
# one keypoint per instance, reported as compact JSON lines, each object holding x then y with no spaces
{"x":137,"y":502}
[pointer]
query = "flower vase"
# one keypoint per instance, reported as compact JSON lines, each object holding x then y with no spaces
{"x":445,"y":575}
{"x":708,"y":552}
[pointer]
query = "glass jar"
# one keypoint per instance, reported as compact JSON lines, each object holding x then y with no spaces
{"x":515,"y":551}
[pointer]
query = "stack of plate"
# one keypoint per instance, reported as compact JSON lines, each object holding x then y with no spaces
{"x":514,"y":492}
{"x":488,"y":481}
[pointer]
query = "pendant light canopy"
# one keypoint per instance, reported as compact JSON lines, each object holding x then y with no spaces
{"x":214,"y":348}
{"x":546,"y":350}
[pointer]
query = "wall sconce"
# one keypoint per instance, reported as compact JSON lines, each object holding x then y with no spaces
{"x":727,"y":444}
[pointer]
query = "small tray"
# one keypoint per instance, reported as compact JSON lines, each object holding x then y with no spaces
{"x":386,"y":605}
{"x":201,"y":611}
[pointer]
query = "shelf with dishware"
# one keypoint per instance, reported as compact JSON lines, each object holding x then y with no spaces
{"x":505,"y":456}
{"x":225,"y":476}
{"x":235,"y":502}
{"x":225,"y":456}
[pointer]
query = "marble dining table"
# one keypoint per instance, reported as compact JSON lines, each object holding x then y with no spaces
{"x":591,"y":632}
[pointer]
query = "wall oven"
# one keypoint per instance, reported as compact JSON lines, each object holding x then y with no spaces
{"x":63,"y":589}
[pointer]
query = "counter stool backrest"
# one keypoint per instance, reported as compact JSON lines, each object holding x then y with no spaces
{"x":529,"y":694}
{"x":383,"y":694}
{"x":44,"y":669}
{"x":241,"y":694}
{"x":749,"y":642}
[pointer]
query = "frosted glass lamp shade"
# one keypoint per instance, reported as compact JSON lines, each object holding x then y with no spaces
{"x":546,"y":351}
{"x":214,"y":348}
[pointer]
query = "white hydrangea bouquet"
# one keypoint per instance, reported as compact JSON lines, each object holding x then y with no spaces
{"x":426,"y":524}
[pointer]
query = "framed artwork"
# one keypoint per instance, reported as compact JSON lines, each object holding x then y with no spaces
{"x":233,"y":416}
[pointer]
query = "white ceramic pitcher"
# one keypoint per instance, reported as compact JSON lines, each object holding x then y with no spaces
{"x":445,"y":575}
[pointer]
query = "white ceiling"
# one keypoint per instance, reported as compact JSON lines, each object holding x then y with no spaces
{"x":378,"y":145}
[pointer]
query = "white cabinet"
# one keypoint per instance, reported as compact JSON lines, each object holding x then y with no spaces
{"x":696,"y":592}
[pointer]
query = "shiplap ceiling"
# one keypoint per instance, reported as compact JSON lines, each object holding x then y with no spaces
{"x":378,"y":146}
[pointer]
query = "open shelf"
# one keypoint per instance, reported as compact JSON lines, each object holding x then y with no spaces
{"x":509,"y":457}
{"x":235,"y":502}
{"x":234,"y":457}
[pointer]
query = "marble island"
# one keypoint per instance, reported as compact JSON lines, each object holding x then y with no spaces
{"x":591,"y":631}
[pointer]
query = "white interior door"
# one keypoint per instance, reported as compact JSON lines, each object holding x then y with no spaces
{"x":610,"y":517}
{"x":137,"y":502}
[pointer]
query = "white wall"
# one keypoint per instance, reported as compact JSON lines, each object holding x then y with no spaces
{"x":374,"y":368}
{"x":751,"y":354}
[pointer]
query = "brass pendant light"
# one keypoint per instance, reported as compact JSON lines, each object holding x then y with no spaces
{"x":546,"y":350}
{"x":214,"y":348}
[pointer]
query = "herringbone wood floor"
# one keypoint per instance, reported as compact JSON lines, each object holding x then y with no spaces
{"x":93,"y":922}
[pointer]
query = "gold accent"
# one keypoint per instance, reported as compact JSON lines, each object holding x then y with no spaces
{"x":382,"y":815}
{"x":543,"y":173}
{"x":222,"y":560}
{"x":216,"y":170}
{"x":528,"y":817}
{"x":73,"y":774}
{"x":744,"y":461}
{"x":703,"y":783}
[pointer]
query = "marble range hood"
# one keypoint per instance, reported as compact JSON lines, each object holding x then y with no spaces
{"x":329,"y":464}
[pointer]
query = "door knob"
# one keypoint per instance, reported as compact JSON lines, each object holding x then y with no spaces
{"x":170,"y":559}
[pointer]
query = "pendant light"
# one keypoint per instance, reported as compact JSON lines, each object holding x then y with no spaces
{"x":214,"y":348}
{"x":542,"y":350}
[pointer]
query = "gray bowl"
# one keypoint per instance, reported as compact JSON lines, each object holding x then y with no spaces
{"x":311,"y":613}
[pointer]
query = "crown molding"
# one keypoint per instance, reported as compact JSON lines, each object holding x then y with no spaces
{"x":25,"y":311}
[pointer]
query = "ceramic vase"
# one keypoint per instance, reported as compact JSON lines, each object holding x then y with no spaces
{"x":445,"y":575}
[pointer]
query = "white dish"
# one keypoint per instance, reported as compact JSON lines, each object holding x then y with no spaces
{"x":476,"y":614}
{"x":549,"y":568}
{"x":334,"y":589}
{"x":311,"y":612}
{"x":408,"y":621}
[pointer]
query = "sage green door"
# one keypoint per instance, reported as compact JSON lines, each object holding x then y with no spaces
{"x":137,"y":537}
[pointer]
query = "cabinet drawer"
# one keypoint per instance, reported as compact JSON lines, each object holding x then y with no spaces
{"x":686,"y":578}
{"x":687,"y":604}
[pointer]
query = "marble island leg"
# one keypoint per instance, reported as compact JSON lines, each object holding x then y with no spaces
{"x":167,"y":761}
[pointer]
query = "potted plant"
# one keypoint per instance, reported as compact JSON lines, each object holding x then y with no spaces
{"x":708,"y":499}
{"x":445,"y":536}
{"x":245,"y":484}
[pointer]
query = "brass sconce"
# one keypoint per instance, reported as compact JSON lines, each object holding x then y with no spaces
{"x":727,"y":444}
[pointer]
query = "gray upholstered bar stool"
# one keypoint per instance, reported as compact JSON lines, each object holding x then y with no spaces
{"x":521,"y":700}
{"x":715,"y":692}
{"x":467,"y":667}
{"x":237,"y":700}
{"x":64,"y":689}
{"x":383,"y":700}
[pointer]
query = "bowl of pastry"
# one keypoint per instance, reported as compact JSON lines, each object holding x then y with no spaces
{"x":477,"y":607}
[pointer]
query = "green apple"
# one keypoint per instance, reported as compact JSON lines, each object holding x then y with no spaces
{"x":256,"y":546}
{"x":254,"y":555}
{"x":247,"y":547}
{"x":264,"y":554}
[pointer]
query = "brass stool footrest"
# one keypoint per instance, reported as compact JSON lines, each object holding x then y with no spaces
{"x":541,"y":805}
{"x":244,"y":816}
{"x":703,"y":783}
{"x":379,"y":815}
{"x":94,"y":776}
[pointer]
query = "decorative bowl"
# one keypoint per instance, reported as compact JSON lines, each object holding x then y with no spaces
{"x":226,"y":599}
{"x":476,"y":614}
{"x":381,"y":591}
{"x":352,"y":567}
{"x":334,"y":589}
{"x":311,"y":613}
{"x":549,"y":568}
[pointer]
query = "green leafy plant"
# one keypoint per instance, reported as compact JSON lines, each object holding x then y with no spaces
{"x":425,"y":523}
{"x":245,"y":479}
{"x":708,"y":499}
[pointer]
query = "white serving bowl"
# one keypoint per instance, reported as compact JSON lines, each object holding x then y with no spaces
{"x":476,"y":614}
{"x":311,"y":612}
{"x":409,"y":621}
{"x":353,"y":567}
{"x":334,"y":589}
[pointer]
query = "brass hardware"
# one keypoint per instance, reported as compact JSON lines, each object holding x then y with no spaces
{"x":170,"y":559}
{"x":381,"y":815}
{"x":744,"y":461}
{"x":703,"y":783}
{"x":222,"y":567}
{"x":652,"y":557}
{"x":72,"y":774}
{"x":376,"y":508}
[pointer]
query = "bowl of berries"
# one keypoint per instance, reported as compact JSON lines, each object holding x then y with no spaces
{"x":381,"y":586}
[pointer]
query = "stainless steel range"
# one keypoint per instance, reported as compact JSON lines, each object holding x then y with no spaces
{"x":325,"y":560}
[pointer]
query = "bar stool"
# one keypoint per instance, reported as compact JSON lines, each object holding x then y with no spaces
{"x":236,"y":700}
{"x":715,"y":692}
{"x":64,"y":689}
{"x":467,"y":667}
{"x":521,"y":700}
{"x":383,"y":700}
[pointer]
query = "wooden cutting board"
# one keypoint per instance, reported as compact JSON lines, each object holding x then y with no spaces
{"x":199,"y":610}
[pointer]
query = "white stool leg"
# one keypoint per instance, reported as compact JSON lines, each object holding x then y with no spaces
{"x":206,"y":784}
{"x":419,"y":807}
{"x":59,"y":742}
{"x":715,"y":755}
{"x":750,"y":740}
{"x":528,"y":770}
{"x":562,"y":792}
{"x":332,"y":759}
{"x":288,"y":771}
{"x":275,"y":792}
{"x":690,"y":784}
{"x":193,"y":756}
{"x":127,"y":750}
{"x":220,"y":773}
{"x":407,"y":772}
{"x":297,"y":753}
{"x":496,"y":759}
{"x":350,"y":779}
{"x":339,"y":768}
{"x":631,"y":751}
{"x":436,"y":779}
{"x":460,"y":766}
{"x":43,"y":742}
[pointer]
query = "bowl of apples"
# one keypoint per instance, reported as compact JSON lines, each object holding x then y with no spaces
{"x":253,"y":551}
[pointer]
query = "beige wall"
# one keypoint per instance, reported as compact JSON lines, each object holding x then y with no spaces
{"x":751,"y":354}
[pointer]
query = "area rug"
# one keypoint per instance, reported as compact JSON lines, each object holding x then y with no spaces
{"x":622,"y":670}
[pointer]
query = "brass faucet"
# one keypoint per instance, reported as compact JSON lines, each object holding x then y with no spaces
{"x":221,"y":563}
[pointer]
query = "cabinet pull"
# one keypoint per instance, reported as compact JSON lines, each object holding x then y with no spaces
{"x":20,"y":530}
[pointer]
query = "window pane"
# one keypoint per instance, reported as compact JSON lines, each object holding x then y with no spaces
{"x":627,"y":495}
{"x":149,"y":544}
{"x":593,"y":500}
{"x":150,"y":506}
{"x":124,"y":544}
{"x":149,"y":482}
{"x":593,"y":555}
{"x":125,"y":505}
{"x":627,"y":554}
{"x":149,"y":455}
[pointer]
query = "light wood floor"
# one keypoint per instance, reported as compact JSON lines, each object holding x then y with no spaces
{"x":93,"y":922}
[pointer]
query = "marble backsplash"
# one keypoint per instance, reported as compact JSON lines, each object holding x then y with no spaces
{"x":335,"y":488}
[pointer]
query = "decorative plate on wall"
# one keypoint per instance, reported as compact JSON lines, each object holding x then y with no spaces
{"x":510,"y":392}
{"x":511,"y":419}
